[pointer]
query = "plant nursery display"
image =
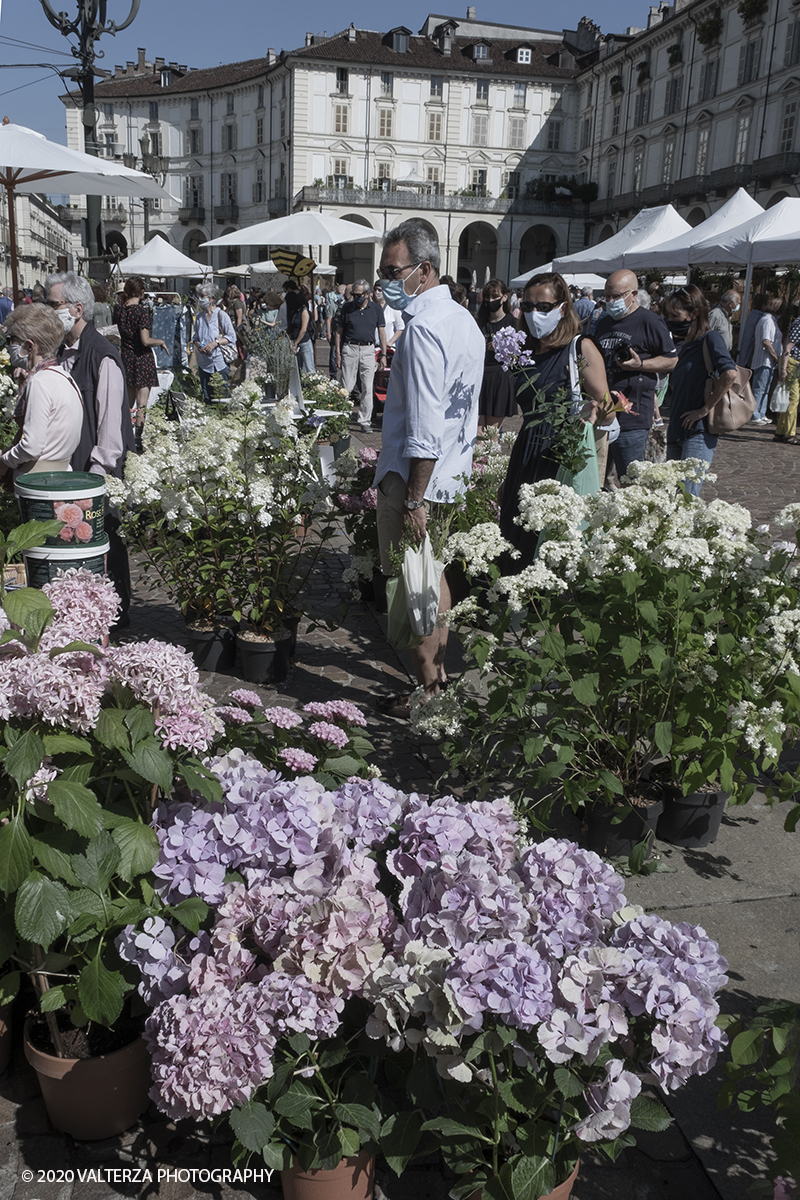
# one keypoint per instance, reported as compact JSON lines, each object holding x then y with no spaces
{"x":654,"y":636}
{"x":323,"y":393}
{"x":218,"y":504}
{"x":385,"y":971}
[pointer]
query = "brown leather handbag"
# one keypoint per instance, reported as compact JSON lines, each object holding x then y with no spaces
{"x":737,"y":405}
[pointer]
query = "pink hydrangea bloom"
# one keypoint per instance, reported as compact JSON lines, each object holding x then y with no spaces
{"x":284,"y":718}
{"x":156,"y":673}
{"x":86,"y":606}
{"x":234,"y":716}
{"x":367,"y":455}
{"x":331,"y":709}
{"x":187,"y":729}
{"x":297,"y":759}
{"x":247,"y":698}
{"x":331,"y":734}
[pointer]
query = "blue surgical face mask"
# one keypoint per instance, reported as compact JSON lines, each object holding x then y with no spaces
{"x":617,"y":308}
{"x":395,"y":294}
{"x":204,"y":301}
{"x":542,"y":324}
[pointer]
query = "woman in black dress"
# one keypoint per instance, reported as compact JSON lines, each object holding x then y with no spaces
{"x":498,"y":396}
{"x":134,"y":322}
{"x":553,"y":328}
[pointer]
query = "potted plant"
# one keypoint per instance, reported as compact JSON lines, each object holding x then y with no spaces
{"x":616,"y":85}
{"x":709,"y":29}
{"x":651,"y":627}
{"x":751,"y":10}
{"x":90,"y":737}
{"x":675,"y":54}
{"x":356,"y":498}
{"x":397,"y":941}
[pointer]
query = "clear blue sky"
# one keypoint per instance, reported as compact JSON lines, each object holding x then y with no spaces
{"x":203,"y":33}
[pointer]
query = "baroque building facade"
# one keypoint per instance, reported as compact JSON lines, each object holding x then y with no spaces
{"x":514,"y":144}
{"x":45,"y":241}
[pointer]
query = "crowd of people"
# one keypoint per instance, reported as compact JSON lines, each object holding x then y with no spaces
{"x":612,"y":360}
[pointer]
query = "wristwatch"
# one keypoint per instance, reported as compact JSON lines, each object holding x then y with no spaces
{"x":413,"y":505}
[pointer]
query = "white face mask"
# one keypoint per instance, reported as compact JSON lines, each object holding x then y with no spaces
{"x":542,"y":324}
{"x":66,"y":318}
{"x":204,"y":301}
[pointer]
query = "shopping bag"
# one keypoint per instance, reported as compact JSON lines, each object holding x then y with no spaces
{"x":780,"y":397}
{"x":587,"y":480}
{"x":422,"y":576}
{"x":398,"y":632}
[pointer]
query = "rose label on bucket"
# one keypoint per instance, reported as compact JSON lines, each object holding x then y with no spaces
{"x":75,"y":497}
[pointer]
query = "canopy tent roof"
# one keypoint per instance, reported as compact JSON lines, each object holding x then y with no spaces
{"x":268,"y":268}
{"x":675,"y":253}
{"x":160,"y":260}
{"x":306,"y":228}
{"x":581,"y":280}
{"x":772,"y":236}
{"x":650,"y":227}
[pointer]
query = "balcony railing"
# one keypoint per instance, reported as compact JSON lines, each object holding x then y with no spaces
{"x":194,"y":212}
{"x":355,"y":197}
{"x":227,"y":212}
{"x":735,"y":176}
{"x":276,"y":206}
{"x":776,"y":166}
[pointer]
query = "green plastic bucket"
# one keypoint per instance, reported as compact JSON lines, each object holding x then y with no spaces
{"x":75,"y":497}
{"x":43,"y":562}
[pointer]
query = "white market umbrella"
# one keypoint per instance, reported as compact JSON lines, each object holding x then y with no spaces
{"x":771,"y":237}
{"x":268,"y":268}
{"x":299,"y":229}
{"x":650,"y":227}
{"x":30,"y":163}
{"x":579,"y":280}
{"x":160,"y":260}
{"x":675,"y":253}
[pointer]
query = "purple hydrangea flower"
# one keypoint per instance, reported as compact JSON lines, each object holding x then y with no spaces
{"x":331,"y":734}
{"x":298,"y":760}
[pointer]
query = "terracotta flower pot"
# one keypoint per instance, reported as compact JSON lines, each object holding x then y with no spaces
{"x":562,"y":1192}
{"x":352,"y":1179}
{"x":93,"y":1098}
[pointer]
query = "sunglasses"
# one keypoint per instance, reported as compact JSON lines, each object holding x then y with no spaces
{"x":543,"y":306}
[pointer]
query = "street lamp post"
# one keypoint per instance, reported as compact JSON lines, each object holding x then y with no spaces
{"x":89,"y":25}
{"x":156,"y":165}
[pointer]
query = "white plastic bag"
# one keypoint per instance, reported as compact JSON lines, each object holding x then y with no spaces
{"x":780,"y":397}
{"x":422,"y":576}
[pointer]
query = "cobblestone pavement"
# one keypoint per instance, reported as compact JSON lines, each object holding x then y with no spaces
{"x":354,"y":661}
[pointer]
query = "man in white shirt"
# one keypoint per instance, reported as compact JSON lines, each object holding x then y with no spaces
{"x":430,"y":420}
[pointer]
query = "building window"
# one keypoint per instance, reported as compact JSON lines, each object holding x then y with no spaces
{"x":480,"y":129}
{"x":260,"y":101}
{"x":615,"y":115}
{"x":109,"y":139}
{"x":282,"y":123}
{"x":342,"y":81}
{"x":520,"y":94}
{"x":283,"y":88}
{"x":259,"y":131}
{"x":673,"y":97}
{"x":108,"y":112}
{"x":433,"y":178}
{"x":387,"y":83}
{"x":229,"y":100}
{"x":153,"y":110}
{"x":788,"y":126}
{"x":642,"y":110}
{"x":195,"y":191}
{"x":611,"y":178}
{"x":667,"y":161}
{"x":258,"y":186}
{"x":701,"y":162}
{"x":482,"y":93}
{"x":709,"y":75}
{"x":479,"y":181}
{"x":434,"y":126}
{"x":229,"y":137}
{"x":524,"y":55}
{"x":340,"y":118}
{"x":749,"y":61}
{"x":385,"y":122}
{"x":516,"y":133}
{"x":512,"y":184}
{"x":742,"y":138}
{"x":586,"y":132}
{"x":384,"y":176}
{"x":227,"y":182}
{"x":481,"y":50}
{"x":437,"y":87}
{"x":155,"y":143}
{"x":195,"y":141}
{"x":553,"y":135}
{"x":792,"y":56}
{"x":194,"y":109}
{"x":340,"y":166}
{"x":638,"y":170}
{"x":400,"y":42}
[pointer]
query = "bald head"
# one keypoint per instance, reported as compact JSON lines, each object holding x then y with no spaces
{"x":621,"y":288}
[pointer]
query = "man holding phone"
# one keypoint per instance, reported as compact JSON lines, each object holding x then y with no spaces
{"x":637,"y":347}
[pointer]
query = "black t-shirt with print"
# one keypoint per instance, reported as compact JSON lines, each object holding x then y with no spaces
{"x":647,"y":333}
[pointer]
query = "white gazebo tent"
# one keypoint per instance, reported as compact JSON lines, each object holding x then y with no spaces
{"x":650,"y":227}
{"x":160,"y":260}
{"x":581,"y":280}
{"x":675,"y":253}
{"x":307,"y":228}
{"x":771,"y":237}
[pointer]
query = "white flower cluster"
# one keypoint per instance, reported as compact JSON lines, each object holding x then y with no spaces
{"x":762,"y":727}
{"x":477,"y":548}
{"x":436,"y":716}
